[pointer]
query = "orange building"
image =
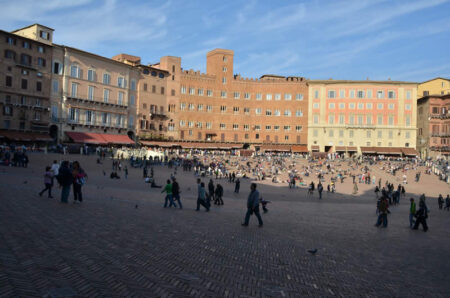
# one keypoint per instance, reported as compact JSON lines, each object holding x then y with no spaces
{"x":221,"y":106}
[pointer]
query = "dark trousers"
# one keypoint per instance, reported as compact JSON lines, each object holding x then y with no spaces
{"x":48,"y":187}
{"x":77,"y":192}
{"x":65,"y":191}
{"x":251,"y":211}
{"x":382,"y":218}
{"x":219,"y":200}
{"x":236,"y":189}
{"x":203,"y":203}
{"x":176,"y":197}
{"x":421,"y":220}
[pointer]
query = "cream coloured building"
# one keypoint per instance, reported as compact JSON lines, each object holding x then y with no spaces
{"x":356,"y":116}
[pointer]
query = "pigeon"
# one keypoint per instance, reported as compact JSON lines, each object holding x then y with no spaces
{"x":136,"y":206}
{"x":312,"y":251}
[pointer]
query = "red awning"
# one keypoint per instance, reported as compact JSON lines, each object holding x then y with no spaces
{"x":299,"y":148}
{"x":25,"y":136}
{"x":117,"y":139}
{"x":86,"y":137}
{"x":410,"y":151}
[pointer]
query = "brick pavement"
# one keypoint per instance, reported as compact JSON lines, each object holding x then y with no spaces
{"x":106,"y":247}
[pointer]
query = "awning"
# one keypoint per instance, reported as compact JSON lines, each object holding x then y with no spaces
{"x":159,"y":144}
{"x":299,"y":148}
{"x":346,"y":149}
{"x":315,"y":148}
{"x":389,"y":151}
{"x":86,"y":137}
{"x":410,"y":152}
{"x":276,"y":147}
{"x":117,"y":139}
{"x":340,"y":149}
{"x":368,"y":150}
{"x":25,"y":136}
{"x":352,"y":149}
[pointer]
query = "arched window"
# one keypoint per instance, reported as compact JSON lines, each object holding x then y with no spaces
{"x":154,"y":73}
{"x":161,"y":75}
{"x":146,"y":71}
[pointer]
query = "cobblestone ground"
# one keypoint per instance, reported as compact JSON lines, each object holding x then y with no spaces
{"x":106,"y":247}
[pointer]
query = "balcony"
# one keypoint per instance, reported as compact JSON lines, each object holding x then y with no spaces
{"x":96,"y":101}
{"x":93,"y":123}
{"x":440,"y":116}
{"x":158,"y":116}
{"x":440,"y":134}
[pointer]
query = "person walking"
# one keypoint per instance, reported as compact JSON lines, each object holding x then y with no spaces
{"x":211,"y":189}
{"x":169,"y":198}
{"x":319,"y":190}
{"x":253,"y":206}
{"x":65,"y":180}
{"x":447,"y":203}
{"x":48,"y":182}
{"x":201,"y":200}
{"x":412,"y":213}
{"x":355,"y":188}
{"x":176,"y":192}
{"x":55,"y":169}
{"x":421,"y":216}
{"x":79,"y":179}
{"x":440,"y":201}
{"x":237,"y":185}
{"x":126,"y":172}
{"x":219,"y":195}
{"x":383,"y":212}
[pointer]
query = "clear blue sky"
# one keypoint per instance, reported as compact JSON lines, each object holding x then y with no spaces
{"x":355,"y":39}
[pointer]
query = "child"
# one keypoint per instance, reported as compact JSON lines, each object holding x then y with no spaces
{"x":48,"y":176}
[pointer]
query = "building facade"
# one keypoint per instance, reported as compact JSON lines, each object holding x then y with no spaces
{"x":346,"y":116}
{"x":221,"y":106}
{"x":433,"y":125}
{"x":436,"y":86}
{"x":25,"y":68}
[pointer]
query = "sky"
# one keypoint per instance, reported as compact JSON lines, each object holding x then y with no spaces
{"x":316,"y":39}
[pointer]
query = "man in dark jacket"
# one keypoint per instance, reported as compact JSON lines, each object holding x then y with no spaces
{"x":421,"y":216}
{"x":176,"y":191}
{"x":253,"y":206}
{"x":65,"y":179}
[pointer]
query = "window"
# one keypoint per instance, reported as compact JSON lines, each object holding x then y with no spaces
{"x":171,"y":126}
{"x":236,"y":110}
{"x":391,"y":94}
{"x":380,"y":134}
{"x":408,"y":120}
{"x":369,"y":93}
{"x":331,"y":94}
{"x":191,"y":107}
{"x":236,"y":95}
{"x":268,"y":127}
{"x":316,"y":105}
{"x":223,"y":94}
{"x":258,"y":96}
{"x":209,"y":108}
{"x":407,"y":135}
{"x":380,"y":119}
{"x":391,"y":106}
{"x":331,"y":133}
{"x":10,"y":41}
{"x":26,"y":45}
{"x":258,"y":111}
{"x":89,"y":116}
{"x":246,"y":95}
{"x":44,"y":35}
{"x":351,"y":133}
{"x":257,"y":127}
{"x":120,"y":82}
{"x":351,"y":119}
{"x":24,"y":84}
{"x":200,"y":107}
{"x":408,"y":107}
{"x":341,"y":93}
{"x":286,"y":138}
{"x":391,"y":134}
{"x":316,"y":94}
{"x":209,"y":93}
{"x":315,"y":133}
{"x":352,"y":93}
{"x":277,"y":96}
{"x":132,"y":100}
{"x":183,"y":90}
{"x":380,"y":106}
{"x":360,"y":119}
{"x":225,"y":59}
{"x":132,"y":85}
{"x":341,"y":106}
{"x":369,"y":106}
{"x":191,"y":91}
{"x":268,"y":96}
{"x":162,"y":90}
{"x":408,"y":94}
{"x":222,"y":126}
{"x":298,"y":128}
{"x":369,"y":119}
{"x":25,"y":59}
{"x":41,"y":62}
{"x":161,"y":75}
{"x":268,"y":112}
{"x":316,"y":119}
{"x":277,"y":112}
{"x":391,"y":120}
{"x":38,"y":86}
{"x":57,"y":68}
{"x":341,"y":133}
{"x":351,"y":106}
{"x":91,"y":75}
{"x":153,"y":88}
{"x":91,"y":92}
{"x":380,"y":94}
{"x":223,"y":109}
{"x":224,"y":69}
{"x":74,"y":71}
{"x":247,"y":111}
{"x":298,"y":113}
{"x":341,"y":119}
{"x":360,"y":94}
{"x":153,"y":73}
{"x":8,"y":82}
{"x":287,"y":96}
{"x":235,"y":126}
{"x":287,"y":113}
{"x":200,"y":91}
{"x":106,"y":78}
{"x":182,"y":106}
{"x":145,"y":87}
{"x":23,"y":100}
{"x":360,"y":106}
{"x":190,"y":124}
{"x":246,"y":127}
{"x":199,"y":124}
{"x":331,"y":105}
{"x":208,"y":125}
{"x":105,"y":95}
{"x":224,"y":80}
{"x":331,"y":119}
{"x":55,"y":86}
{"x":182,"y":123}
{"x":120,"y":98}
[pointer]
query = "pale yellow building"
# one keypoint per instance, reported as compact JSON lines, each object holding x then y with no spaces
{"x":351,"y":116}
{"x":436,"y":86}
